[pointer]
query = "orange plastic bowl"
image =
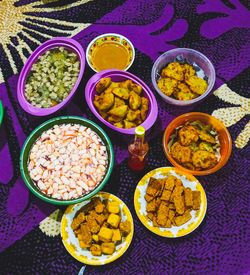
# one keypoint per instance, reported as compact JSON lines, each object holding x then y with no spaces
{"x":224,"y":138}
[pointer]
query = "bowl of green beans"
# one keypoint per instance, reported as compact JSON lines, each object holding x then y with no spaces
{"x":51,"y":76}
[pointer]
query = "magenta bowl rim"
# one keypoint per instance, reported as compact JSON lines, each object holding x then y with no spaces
{"x":89,"y":90}
{"x":177,"y":102}
{"x":49,"y":44}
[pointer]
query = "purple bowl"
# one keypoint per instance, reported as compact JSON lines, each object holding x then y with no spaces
{"x":117,"y":75}
{"x":67,"y":43}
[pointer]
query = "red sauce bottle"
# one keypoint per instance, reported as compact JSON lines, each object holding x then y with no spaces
{"x":138,"y":150}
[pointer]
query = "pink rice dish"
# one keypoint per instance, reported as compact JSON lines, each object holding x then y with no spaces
{"x":68,"y":161}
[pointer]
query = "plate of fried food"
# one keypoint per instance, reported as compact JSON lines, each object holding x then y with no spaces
{"x":170,"y":202}
{"x":97,"y":231}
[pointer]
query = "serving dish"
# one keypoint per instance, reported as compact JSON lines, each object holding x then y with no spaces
{"x":24,"y":157}
{"x":69,"y":44}
{"x":188,"y":181}
{"x":200,"y":62}
{"x":223,"y":136}
{"x":71,"y":243}
{"x":121,"y":45}
{"x":117,"y":76}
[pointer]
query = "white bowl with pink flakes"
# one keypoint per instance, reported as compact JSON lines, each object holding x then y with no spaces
{"x":66,"y":160}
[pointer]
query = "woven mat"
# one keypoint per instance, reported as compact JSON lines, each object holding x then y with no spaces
{"x":29,"y":239}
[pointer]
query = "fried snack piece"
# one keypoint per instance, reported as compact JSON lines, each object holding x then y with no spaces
{"x":118,"y":102}
{"x":180,"y":220}
{"x":189,"y":71}
{"x":126,"y":84}
{"x":167,"y":85}
{"x":113,"y":207}
{"x":188,"y":195}
{"x":108,"y":248}
{"x":115,"y":119}
{"x":197,"y":85}
{"x":148,"y":198}
{"x":128,"y":124}
{"x":119,"y":112}
{"x":176,"y":193}
{"x":114,"y":220}
{"x":181,"y":95}
{"x":134,"y":100}
{"x":170,"y":183}
{"x":121,"y":92}
{"x":119,"y":124}
{"x":105,"y":234}
{"x":86,"y":234}
{"x":133,"y":115}
{"x":155,"y":187}
{"x":205,"y":146}
{"x":179,"y":204}
{"x":77,"y":221}
{"x":174,"y":70}
{"x":206,"y":137}
{"x":117,"y":237}
{"x":196,"y":200}
{"x":104,"y":102}
{"x":166,"y":194}
{"x":162,"y":214}
{"x":180,"y":153}
{"x":96,"y":250}
{"x":204,"y":159}
{"x":92,"y":224}
{"x":144,"y":107}
{"x":103,"y":114}
{"x":134,"y":87}
{"x":151,"y":206}
{"x":103,"y":84}
{"x":188,"y":134}
{"x":99,"y":208}
{"x":125,"y":228}
{"x":171,"y":214}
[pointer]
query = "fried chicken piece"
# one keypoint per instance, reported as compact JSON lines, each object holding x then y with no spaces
{"x":133,"y":115}
{"x":103,"y":84}
{"x":128,"y":124}
{"x":118,"y":102}
{"x":167,"y":85}
{"x":180,"y":220}
{"x":119,"y":112}
{"x":196,"y":200}
{"x":179,"y":204}
{"x":204,"y":159}
{"x":126,"y":84}
{"x":104,"y":102}
{"x":188,"y":134}
{"x":135,"y":87}
{"x":180,"y":153}
{"x":188,"y":195}
{"x":144,"y":108}
{"x":197,"y":85}
{"x":119,"y":124}
{"x":206,"y":137}
{"x":174,"y":70}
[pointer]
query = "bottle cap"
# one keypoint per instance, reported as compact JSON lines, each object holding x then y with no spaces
{"x":140,"y":131}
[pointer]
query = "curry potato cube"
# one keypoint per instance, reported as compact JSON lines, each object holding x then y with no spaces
{"x":96,"y":250}
{"x":105,"y":234}
{"x":151,"y":206}
{"x":113,"y":207}
{"x":179,"y":204}
{"x":180,"y":220}
{"x":188,"y":194}
{"x":100,"y":218}
{"x":166,"y":194}
{"x":196,"y":200}
{"x":95,"y":238}
{"x":125,"y":228}
{"x":117,"y":237}
{"x":83,"y":244}
{"x":114,"y":220}
{"x":93,"y":225}
{"x":148,"y":198}
{"x":99,"y":208}
{"x":108,"y":248}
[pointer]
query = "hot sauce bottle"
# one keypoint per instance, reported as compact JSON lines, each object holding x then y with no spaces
{"x":138,"y":150}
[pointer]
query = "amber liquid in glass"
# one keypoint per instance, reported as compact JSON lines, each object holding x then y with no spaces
{"x":138,"y":151}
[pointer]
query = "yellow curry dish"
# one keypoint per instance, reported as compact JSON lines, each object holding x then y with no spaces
{"x":195,"y":146}
{"x":180,"y":81}
{"x":98,"y":226}
{"x":121,"y":103}
{"x":169,"y":203}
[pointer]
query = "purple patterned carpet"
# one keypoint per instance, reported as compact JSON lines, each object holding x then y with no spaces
{"x":218,"y":28}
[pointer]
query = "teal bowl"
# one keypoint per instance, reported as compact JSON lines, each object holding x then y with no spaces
{"x":36,"y":134}
{"x":1,"y":112}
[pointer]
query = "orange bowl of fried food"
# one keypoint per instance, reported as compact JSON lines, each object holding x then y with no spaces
{"x":197,"y":143}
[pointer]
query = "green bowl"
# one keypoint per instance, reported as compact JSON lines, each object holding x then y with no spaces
{"x":1,"y":112}
{"x":37,"y":133}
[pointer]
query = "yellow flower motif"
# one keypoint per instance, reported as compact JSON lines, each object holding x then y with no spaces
{"x":231,"y":115}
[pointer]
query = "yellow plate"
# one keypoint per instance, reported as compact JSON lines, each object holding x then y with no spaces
{"x":71,"y":243}
{"x":188,"y":181}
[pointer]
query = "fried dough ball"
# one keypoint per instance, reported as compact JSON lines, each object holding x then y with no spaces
{"x":197,"y":85}
{"x":103,"y":84}
{"x":183,"y":92}
{"x":174,"y":70}
{"x":180,"y":153}
{"x":187,"y":135}
{"x":204,"y":159}
{"x":167,"y":85}
{"x":189,"y":71}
